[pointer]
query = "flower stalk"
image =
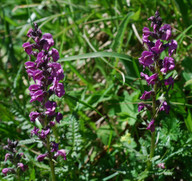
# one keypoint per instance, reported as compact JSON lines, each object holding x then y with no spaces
{"x":157,"y":41}
{"x":47,"y":75}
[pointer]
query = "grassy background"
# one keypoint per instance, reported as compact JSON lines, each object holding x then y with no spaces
{"x":99,"y":46}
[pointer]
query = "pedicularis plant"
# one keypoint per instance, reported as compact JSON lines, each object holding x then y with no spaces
{"x":46,"y":74}
{"x":157,"y":41}
{"x":16,"y":159}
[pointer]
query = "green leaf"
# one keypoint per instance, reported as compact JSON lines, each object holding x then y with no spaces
{"x":136,"y":16}
{"x":188,"y":121}
{"x":97,"y":55}
{"x":28,"y":141}
{"x":120,"y":34}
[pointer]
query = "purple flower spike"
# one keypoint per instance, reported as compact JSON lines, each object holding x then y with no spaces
{"x":50,"y":106}
{"x":33,"y":116}
{"x":146,"y":95}
{"x":46,"y":74}
{"x":61,"y":153}
{"x":40,"y":158}
{"x":28,"y":48}
{"x":165,"y":107}
{"x":151,"y":125}
{"x":59,"y":117}
{"x":146,"y":59}
{"x":172,"y":47}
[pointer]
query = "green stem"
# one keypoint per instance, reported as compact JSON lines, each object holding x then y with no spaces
{"x":51,"y":164}
{"x":152,"y":149}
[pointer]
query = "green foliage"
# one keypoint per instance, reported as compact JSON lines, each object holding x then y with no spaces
{"x":104,"y":136}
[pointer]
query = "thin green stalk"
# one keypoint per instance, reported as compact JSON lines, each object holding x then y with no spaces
{"x":152,"y":149}
{"x":51,"y":164}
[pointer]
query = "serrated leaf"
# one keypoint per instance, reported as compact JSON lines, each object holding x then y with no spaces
{"x":28,"y":141}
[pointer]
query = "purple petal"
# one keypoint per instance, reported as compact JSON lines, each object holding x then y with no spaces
{"x":151,"y":125}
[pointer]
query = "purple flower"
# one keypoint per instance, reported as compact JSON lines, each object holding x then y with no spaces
{"x":141,"y":106}
{"x":169,"y":81}
{"x":30,"y":65}
{"x":5,"y":171}
{"x":172,"y":47}
{"x":22,"y":166}
{"x":40,"y":158}
{"x":146,"y":31}
{"x":47,"y":41}
{"x":30,"y":72}
{"x":40,"y":58}
{"x":59,"y":90}
{"x":54,"y":146}
{"x":33,"y":116}
{"x":38,"y":75}
{"x":50,"y":106}
{"x":151,"y":125}
{"x":156,"y":21}
{"x":146,"y":59}
{"x":37,"y":96}
{"x":57,"y":70}
{"x":151,"y":79}
{"x":51,"y":123}
{"x":33,"y":88}
{"x":165,"y":107}
{"x":158,"y":48}
{"x":146,"y":95}
{"x":28,"y":48}
{"x":165,"y":32}
{"x":44,"y":133}
{"x":59,"y":117}
{"x":29,"y":32}
{"x":161,"y":165}
{"x":46,"y":73}
{"x":146,"y":34}
{"x":168,"y":64}
{"x":61,"y":153}
{"x":55,"y":54}
{"x":7,"y":155}
{"x":35,"y":131}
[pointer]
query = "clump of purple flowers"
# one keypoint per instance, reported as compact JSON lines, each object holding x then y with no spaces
{"x":15,"y":158}
{"x":157,"y":41}
{"x":47,"y":75}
